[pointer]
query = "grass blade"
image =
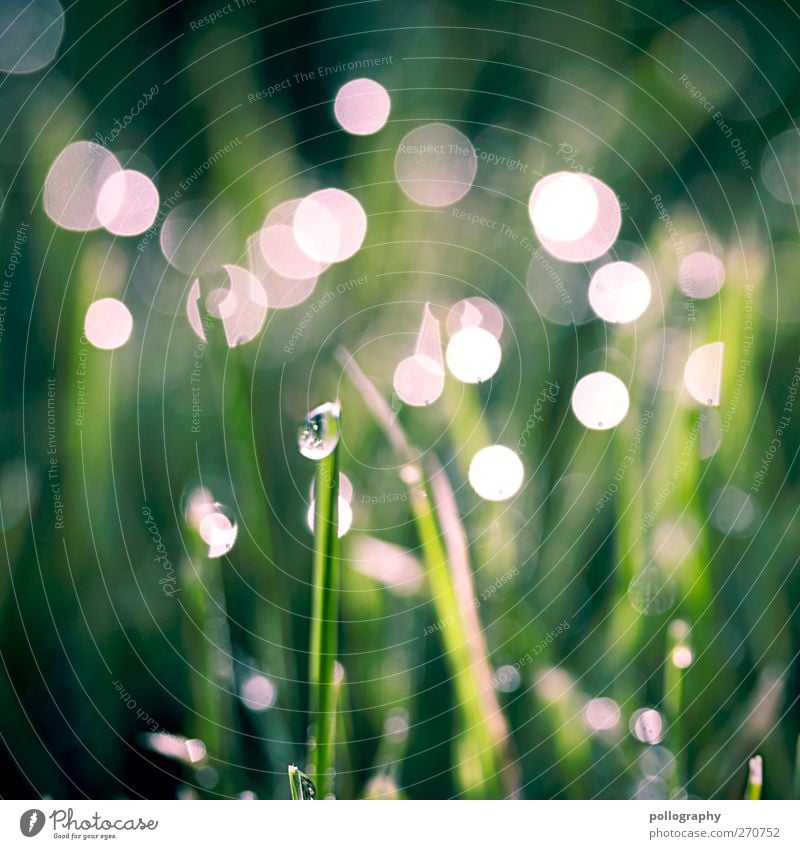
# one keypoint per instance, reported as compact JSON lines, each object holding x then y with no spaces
{"x":484,"y":731}
{"x":301,"y":785}
{"x":755,"y":778}
{"x":324,"y":604}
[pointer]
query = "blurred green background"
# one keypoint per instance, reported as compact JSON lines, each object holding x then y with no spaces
{"x":86,"y":628}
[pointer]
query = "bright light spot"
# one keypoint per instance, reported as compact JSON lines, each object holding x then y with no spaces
{"x":244,"y":309}
{"x":344,"y":508}
{"x":73,"y":185}
{"x":507,"y":679}
{"x":563,"y":206}
{"x":345,"y":512}
{"x":701,"y":274}
{"x":602,"y":714}
{"x":218,"y":531}
{"x":280,"y":249}
{"x":410,"y":474}
{"x":396,"y":726}
{"x":600,"y":400}
{"x":647,"y":725}
{"x":674,"y":540}
{"x":362,"y":106}
{"x":702,"y":376}
{"x":682,"y":657}
{"x":475,"y":312}
{"x":30,"y":34}
{"x":199,"y":502}
{"x":418,"y":380}
{"x":735,"y":511}
{"x":435,"y":165}
{"x":756,"y":770}
{"x":586,"y":217}
{"x":282,"y":292}
{"x":473,"y":355}
{"x":330,"y":225}
{"x":108,"y":324}
{"x":258,"y":693}
{"x":391,"y":565}
{"x":496,"y":473}
{"x":619,"y":292}
{"x":128,"y":203}
{"x":554,"y":684}
{"x":191,"y":751}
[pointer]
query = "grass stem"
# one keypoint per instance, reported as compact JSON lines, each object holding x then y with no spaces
{"x":324,"y":625}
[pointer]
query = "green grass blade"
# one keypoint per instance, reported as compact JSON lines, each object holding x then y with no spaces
{"x":483,"y":737}
{"x":755,"y":778}
{"x":324,"y":624}
{"x":301,"y":785}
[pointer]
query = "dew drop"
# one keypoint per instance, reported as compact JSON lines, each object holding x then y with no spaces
{"x":319,"y":433}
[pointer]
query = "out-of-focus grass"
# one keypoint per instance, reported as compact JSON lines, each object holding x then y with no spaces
{"x":83,"y":607}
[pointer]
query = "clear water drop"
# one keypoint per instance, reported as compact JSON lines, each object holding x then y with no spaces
{"x":319,"y":433}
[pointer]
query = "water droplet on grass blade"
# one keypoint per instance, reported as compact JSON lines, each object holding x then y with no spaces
{"x":319,"y":433}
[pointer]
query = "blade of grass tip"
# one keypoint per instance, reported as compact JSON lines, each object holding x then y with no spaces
{"x":444,"y":551}
{"x":319,"y":441}
{"x":755,"y":778}
{"x":301,"y":785}
{"x":678,"y":660}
